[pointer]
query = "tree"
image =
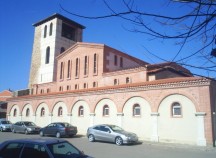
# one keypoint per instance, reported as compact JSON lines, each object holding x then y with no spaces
{"x":198,"y":23}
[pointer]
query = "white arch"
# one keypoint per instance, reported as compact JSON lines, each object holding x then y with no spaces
{"x":112,"y":118}
{"x":177,"y":129}
{"x":31,"y":115}
{"x":16,"y":118}
{"x":141,"y":125}
{"x":42,"y":120}
{"x":82,"y":122}
{"x":64,"y":117}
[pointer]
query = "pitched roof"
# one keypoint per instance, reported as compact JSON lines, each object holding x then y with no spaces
{"x":59,"y":16}
{"x":153,"y":68}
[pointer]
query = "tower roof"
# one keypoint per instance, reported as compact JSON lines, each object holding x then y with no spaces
{"x":59,"y":16}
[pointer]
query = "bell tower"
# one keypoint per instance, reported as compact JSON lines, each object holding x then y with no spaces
{"x":52,"y":37}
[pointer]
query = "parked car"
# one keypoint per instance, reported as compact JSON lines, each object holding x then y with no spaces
{"x":111,"y":133}
{"x":39,"y":148}
{"x":5,"y":125}
{"x":59,"y":129}
{"x":25,"y":127}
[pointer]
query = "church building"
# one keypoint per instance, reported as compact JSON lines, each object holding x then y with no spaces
{"x":86,"y":84}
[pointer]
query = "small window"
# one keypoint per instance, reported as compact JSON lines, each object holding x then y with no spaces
{"x":106,"y":110}
{"x":15,"y":112}
{"x":61,"y":70}
{"x":69,"y":69}
{"x":76,"y":86}
{"x":81,"y":111}
{"x":45,"y":31}
{"x":47,"y":55}
{"x":95,"y":63}
{"x":77,"y":67}
{"x":60,"y":88}
{"x":60,"y":111}
{"x":68,"y":87}
{"x":48,"y":90}
{"x":86,"y":65}
{"x":127,"y":80}
{"x":136,"y":110}
{"x":51,"y":28}
{"x":41,"y":91}
{"x":27,"y":112}
{"x":176,"y":110}
{"x":85,"y":85}
{"x":115,"y":81}
{"x":94,"y":84}
{"x":42,"y":112}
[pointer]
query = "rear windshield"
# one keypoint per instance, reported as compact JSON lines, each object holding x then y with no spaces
{"x":5,"y":122}
{"x":63,"y":150}
{"x":65,"y":124}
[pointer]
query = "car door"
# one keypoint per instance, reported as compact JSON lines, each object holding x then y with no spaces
{"x":106,"y":134}
{"x":22,"y":127}
{"x":17,"y":126}
{"x":48,"y":129}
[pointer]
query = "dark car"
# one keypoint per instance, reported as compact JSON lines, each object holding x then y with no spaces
{"x":111,"y":133}
{"x":59,"y":129}
{"x":5,"y":125}
{"x":25,"y":127}
{"x":39,"y":148}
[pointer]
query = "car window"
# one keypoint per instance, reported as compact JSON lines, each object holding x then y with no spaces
{"x":116,"y":128}
{"x":5,"y":122}
{"x":51,"y":125}
{"x":63,"y":150}
{"x":12,"y":150}
{"x":34,"y":151}
{"x":97,"y":128}
{"x":104,"y":129}
{"x":18,"y":123}
{"x":29,"y":123}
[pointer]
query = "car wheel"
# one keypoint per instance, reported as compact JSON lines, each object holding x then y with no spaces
{"x":41,"y":133}
{"x":13,"y":130}
{"x":58,"y":135}
{"x":91,"y":138}
{"x":118,"y":141}
{"x":26,"y":131}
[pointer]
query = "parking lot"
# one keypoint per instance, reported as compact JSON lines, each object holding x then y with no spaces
{"x":141,"y":150}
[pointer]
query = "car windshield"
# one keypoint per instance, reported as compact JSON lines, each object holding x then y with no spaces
{"x":29,"y":123}
{"x":116,"y":128}
{"x":6,"y":122}
{"x":64,"y":150}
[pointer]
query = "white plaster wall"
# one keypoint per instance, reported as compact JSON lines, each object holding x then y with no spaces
{"x":111,"y":119}
{"x":30,"y":117}
{"x":82,"y":122}
{"x":44,"y":120}
{"x":177,"y":130}
{"x":64,"y":117}
{"x":17,"y":117}
{"x":141,"y":125}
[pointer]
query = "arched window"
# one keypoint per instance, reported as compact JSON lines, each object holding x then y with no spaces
{"x":27,"y":112}
{"x":48,"y":90}
{"x":62,"y":50}
{"x":121,"y":62}
{"x":136,"y":110}
{"x":47,"y":55}
{"x":127,"y":80}
{"x":45,"y":31}
{"x":42,"y":113}
{"x":106,"y":110}
{"x":41,"y":91}
{"x":15,"y":112}
{"x":60,"y":88}
{"x":51,"y":28}
{"x":68,"y":87}
{"x":115,"y":60}
{"x":60,"y":111}
{"x":85,"y":65}
{"x":76,"y":86}
{"x":61,"y":70}
{"x":176,"y":110}
{"x":81,"y":111}
{"x":69,"y":69}
{"x":95,"y":64}
{"x":77,"y":67}
{"x":115,"y":81}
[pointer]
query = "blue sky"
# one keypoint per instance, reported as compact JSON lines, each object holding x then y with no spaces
{"x":17,"y":33}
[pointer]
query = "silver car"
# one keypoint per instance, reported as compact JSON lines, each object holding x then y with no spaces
{"x":5,"y":125}
{"x":25,"y":127}
{"x":111,"y":133}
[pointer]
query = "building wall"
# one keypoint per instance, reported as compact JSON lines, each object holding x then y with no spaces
{"x":186,"y":129}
